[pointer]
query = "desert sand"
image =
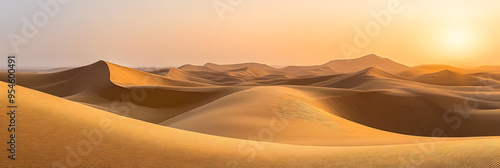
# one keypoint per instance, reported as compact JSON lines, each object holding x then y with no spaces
{"x":365,"y":112}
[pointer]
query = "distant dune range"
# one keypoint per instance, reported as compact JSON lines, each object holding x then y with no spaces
{"x":367,"y":111}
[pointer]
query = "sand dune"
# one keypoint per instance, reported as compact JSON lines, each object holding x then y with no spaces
{"x":368,"y":61}
{"x":486,"y":75}
{"x":364,"y":112}
{"x":124,"y":76}
{"x":437,"y":68}
{"x":249,"y":72}
{"x":163,"y":97}
{"x":176,"y":73}
{"x":450,"y":78}
{"x":487,"y":68}
{"x":204,"y":75}
{"x":126,"y":142}
{"x":103,"y":76}
{"x":293,"y":116}
{"x":405,"y":114}
{"x":297,"y":81}
{"x":332,"y":67}
{"x":308,"y":71}
{"x":357,"y":78}
{"x":237,"y":66}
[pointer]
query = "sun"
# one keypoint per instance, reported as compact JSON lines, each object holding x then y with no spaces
{"x":457,"y":43}
{"x":457,"y":39}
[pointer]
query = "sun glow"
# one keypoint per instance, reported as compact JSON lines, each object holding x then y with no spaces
{"x":457,"y":39}
{"x":457,"y":43}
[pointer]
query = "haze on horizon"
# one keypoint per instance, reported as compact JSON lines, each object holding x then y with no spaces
{"x":282,"y":32}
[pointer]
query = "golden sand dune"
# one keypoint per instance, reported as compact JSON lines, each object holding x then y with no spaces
{"x":487,"y":75}
{"x":103,"y":85}
{"x":124,"y":76}
{"x":437,"y":68}
{"x":177,"y":73}
{"x":297,"y":81}
{"x":358,"y":78}
{"x":308,"y":71}
{"x":487,"y":68}
{"x":450,"y":78}
{"x":364,"y":112}
{"x":427,"y":69}
{"x":100,"y":76}
{"x":226,"y":76}
{"x":58,"y":132}
{"x":249,"y":72}
{"x":237,"y":66}
{"x":372,"y":60}
{"x":290,"y":115}
{"x":204,"y":75}
{"x":420,"y":70}
{"x":413,"y":115}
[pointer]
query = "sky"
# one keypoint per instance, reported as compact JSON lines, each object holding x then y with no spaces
{"x":160,"y":33}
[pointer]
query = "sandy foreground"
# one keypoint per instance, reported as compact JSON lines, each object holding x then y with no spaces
{"x":365,"y":112}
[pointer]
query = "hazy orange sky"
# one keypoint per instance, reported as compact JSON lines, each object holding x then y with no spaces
{"x":276,"y":32}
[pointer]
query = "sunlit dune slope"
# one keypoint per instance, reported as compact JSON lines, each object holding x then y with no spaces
{"x":289,"y":115}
